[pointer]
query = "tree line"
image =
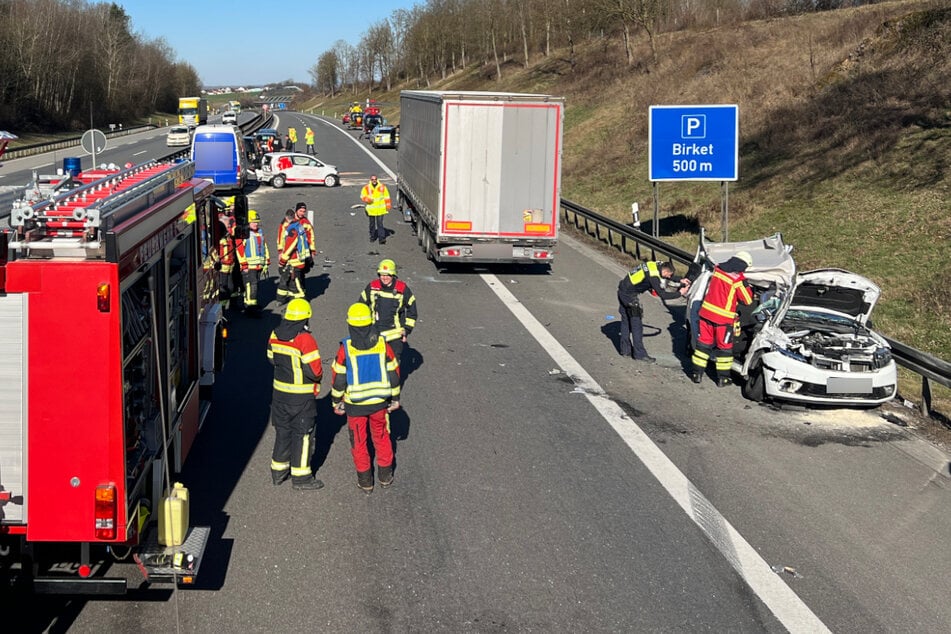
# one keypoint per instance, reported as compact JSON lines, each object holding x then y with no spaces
{"x":440,"y":37}
{"x":65,"y":62}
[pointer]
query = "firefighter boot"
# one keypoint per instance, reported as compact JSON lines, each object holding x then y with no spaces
{"x":385,"y":476}
{"x":277,"y":477}
{"x":365,"y":480}
{"x":723,"y":381}
{"x":308,"y":484}
{"x":696,"y":377}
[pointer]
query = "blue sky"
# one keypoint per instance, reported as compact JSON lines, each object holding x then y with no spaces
{"x":224,"y":40}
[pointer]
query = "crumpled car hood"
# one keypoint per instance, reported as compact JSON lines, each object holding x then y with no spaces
{"x":836,"y":291}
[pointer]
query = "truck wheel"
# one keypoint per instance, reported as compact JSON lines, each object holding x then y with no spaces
{"x":278,"y":181}
{"x":430,"y":245}
{"x":331,"y":180}
{"x":424,"y":241}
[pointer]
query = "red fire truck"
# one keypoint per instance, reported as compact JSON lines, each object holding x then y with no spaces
{"x":112,"y":334}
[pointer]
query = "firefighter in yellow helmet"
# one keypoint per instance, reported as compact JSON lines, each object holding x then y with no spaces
{"x":392,"y":304}
{"x":254,"y":258}
{"x":366,"y":387}
{"x":293,"y":352}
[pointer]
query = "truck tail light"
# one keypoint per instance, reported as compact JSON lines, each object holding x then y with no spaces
{"x":105,"y":511}
{"x":103,"y":295}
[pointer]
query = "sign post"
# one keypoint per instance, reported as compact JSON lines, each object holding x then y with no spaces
{"x":93,"y":141}
{"x":694,"y":143}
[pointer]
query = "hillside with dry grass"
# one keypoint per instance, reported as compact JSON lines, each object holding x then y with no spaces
{"x":845,"y":142}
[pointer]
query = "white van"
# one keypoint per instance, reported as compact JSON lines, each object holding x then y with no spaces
{"x":220,"y":157}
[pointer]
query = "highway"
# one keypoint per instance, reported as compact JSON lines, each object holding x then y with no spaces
{"x":543,"y":482}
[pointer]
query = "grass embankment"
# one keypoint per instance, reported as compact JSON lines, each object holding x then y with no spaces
{"x":845,"y":144}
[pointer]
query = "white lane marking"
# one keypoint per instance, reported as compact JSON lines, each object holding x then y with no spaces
{"x":137,"y":153}
{"x":788,"y":608}
{"x":361,"y":146}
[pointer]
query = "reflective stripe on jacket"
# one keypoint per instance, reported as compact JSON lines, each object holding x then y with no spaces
{"x":723,"y":294}
{"x":376,"y":198}
{"x":639,"y":276}
{"x":297,"y":368}
{"x":368,"y":374}
{"x":226,"y":251}
{"x":253,"y":252}
{"x":393,"y":307}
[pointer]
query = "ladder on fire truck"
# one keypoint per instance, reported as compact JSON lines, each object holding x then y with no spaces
{"x":106,"y":214}
{"x":72,"y":223}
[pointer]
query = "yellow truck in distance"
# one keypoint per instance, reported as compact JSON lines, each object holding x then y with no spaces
{"x":192,"y":111}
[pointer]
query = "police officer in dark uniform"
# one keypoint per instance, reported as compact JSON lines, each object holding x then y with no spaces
{"x":649,"y":276}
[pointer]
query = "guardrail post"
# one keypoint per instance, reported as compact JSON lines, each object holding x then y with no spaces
{"x":925,"y":406}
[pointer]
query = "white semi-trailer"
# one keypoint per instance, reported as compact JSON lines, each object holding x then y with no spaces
{"x":479,"y":174}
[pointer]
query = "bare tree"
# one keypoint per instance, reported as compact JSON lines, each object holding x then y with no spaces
{"x":325,"y":73}
{"x":633,"y":14}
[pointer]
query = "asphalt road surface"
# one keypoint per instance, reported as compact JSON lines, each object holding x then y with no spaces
{"x":543,"y":482}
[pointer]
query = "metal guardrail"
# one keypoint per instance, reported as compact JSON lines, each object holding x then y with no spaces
{"x":259,"y":121}
{"x":62,"y":144}
{"x":629,"y":240}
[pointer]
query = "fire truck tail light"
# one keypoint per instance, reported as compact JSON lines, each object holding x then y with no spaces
{"x":105,"y":511}
{"x":103,"y":294}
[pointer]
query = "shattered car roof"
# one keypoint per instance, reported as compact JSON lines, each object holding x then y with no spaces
{"x":772,"y":258}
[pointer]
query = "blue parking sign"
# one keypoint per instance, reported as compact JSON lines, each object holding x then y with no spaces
{"x":694,"y":143}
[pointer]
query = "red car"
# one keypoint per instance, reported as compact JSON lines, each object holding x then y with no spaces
{"x":346,"y":118}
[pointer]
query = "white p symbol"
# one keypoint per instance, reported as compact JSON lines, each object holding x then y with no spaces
{"x":693,"y":126}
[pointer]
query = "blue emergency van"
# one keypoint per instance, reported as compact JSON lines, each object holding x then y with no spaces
{"x":219,"y":155}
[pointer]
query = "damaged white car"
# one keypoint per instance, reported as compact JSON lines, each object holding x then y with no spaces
{"x":806,"y":337}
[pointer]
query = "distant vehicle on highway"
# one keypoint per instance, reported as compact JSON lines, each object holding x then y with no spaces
{"x":295,"y":168}
{"x":178,"y":135}
{"x":230,"y":117}
{"x":384,"y":136}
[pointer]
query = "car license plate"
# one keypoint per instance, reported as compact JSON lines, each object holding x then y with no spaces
{"x":849,"y":385}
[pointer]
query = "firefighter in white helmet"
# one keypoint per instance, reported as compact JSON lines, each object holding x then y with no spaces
{"x":718,"y":315}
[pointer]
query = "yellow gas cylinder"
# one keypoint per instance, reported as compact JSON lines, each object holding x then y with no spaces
{"x":173,"y":519}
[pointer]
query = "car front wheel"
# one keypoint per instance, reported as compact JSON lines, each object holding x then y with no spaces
{"x":755,"y":389}
{"x":331,"y":180}
{"x":278,"y":181}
